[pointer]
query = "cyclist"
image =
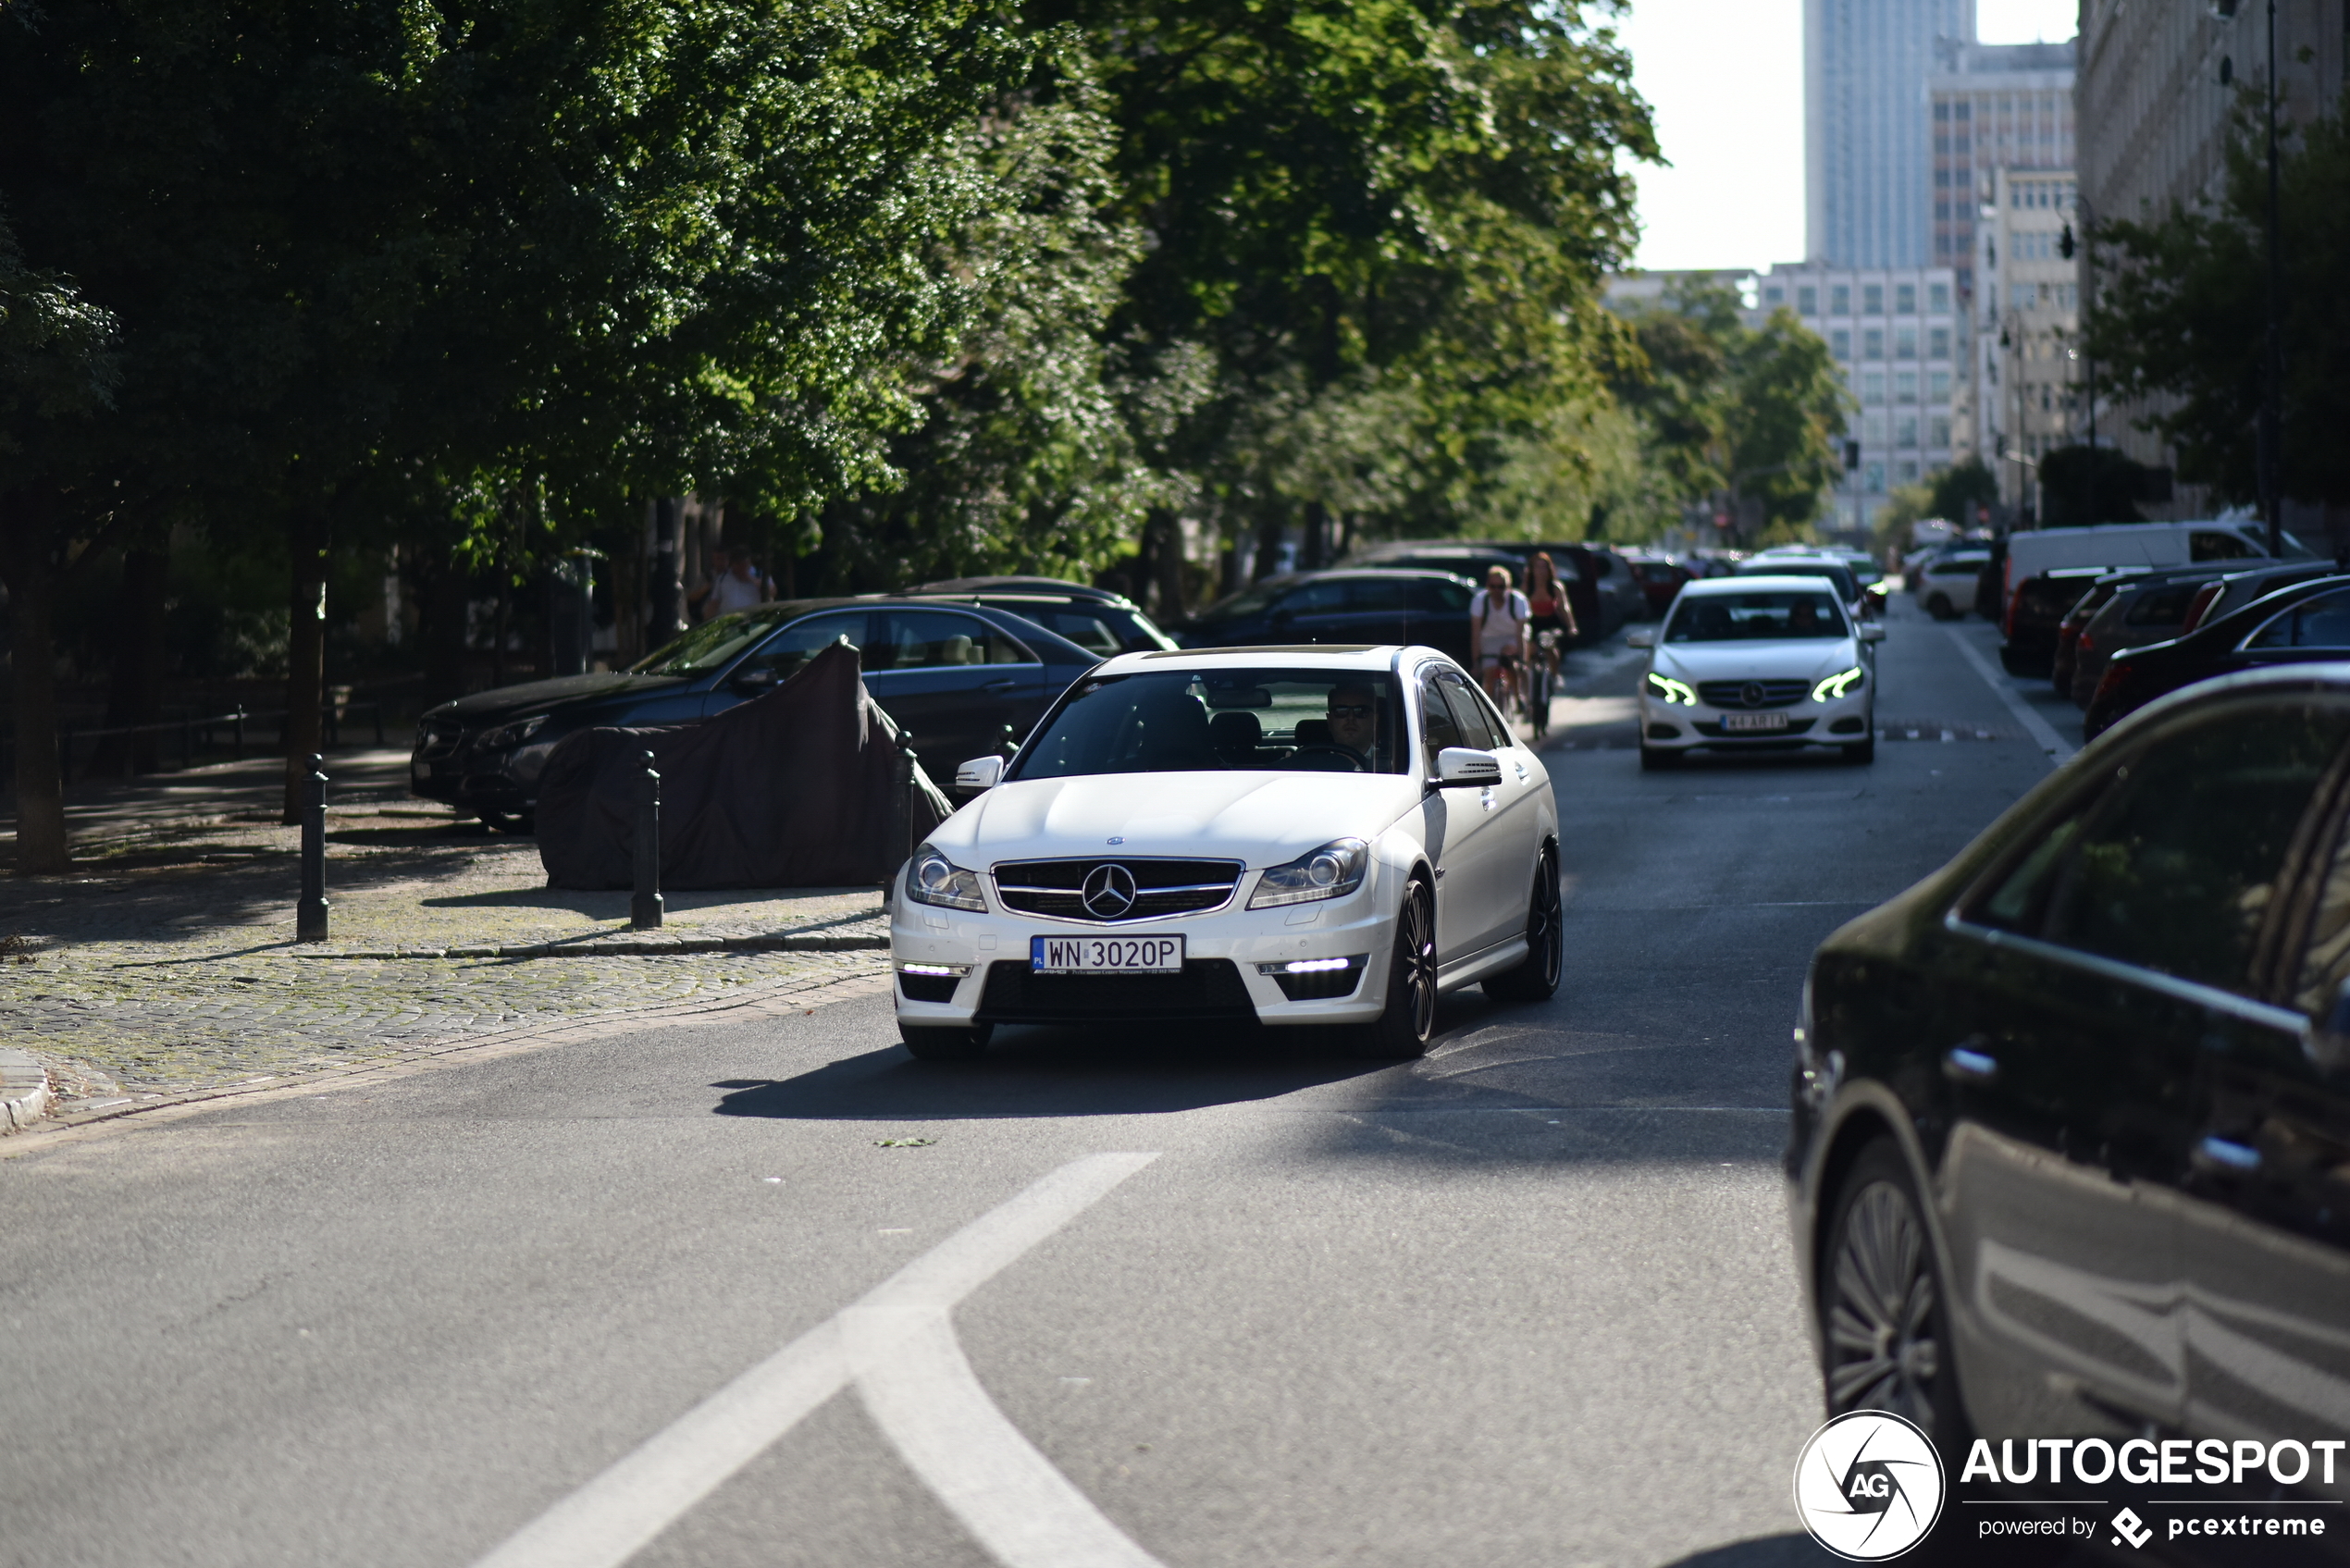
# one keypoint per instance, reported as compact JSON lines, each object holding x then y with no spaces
{"x":1498,"y":621}
{"x":1552,"y":622}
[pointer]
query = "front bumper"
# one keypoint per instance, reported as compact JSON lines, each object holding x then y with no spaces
{"x":987,"y":979}
{"x":1676,"y":726}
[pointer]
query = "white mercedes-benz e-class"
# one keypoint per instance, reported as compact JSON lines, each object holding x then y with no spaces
{"x":1754,"y":664}
{"x":1289,"y":835}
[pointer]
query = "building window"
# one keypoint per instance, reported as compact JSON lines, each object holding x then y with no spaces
{"x":1937,"y":296}
{"x":1937,"y":344}
{"x":1872,"y":344}
{"x":1905,"y":430}
{"x":1874,"y":474}
{"x":1840,"y":343}
{"x":1938,"y":428}
{"x":1873,"y":387}
{"x":1966,"y":112}
{"x":1807,"y":301}
{"x":1872,"y":299}
{"x":1938,"y":387}
{"x":1905,"y":386}
{"x":1841,"y":300}
{"x":1905,"y":298}
{"x":1905,"y":343}
{"x":1941,"y":112}
{"x":1774,"y":296}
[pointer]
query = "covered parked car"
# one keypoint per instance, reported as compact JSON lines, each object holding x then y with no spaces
{"x":1362,"y":607}
{"x":2072,"y":1114}
{"x":2307,"y":623}
{"x":954,"y":674}
{"x":1095,"y":618}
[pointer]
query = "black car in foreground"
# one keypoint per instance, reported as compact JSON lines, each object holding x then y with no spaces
{"x":2303,"y":624}
{"x":2072,"y":1116}
{"x":955,"y":674}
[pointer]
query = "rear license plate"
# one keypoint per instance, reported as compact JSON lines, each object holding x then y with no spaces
{"x":1105,"y":955}
{"x":1754,"y":721}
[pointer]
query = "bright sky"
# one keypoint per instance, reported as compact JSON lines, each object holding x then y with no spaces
{"x":1725,"y":79}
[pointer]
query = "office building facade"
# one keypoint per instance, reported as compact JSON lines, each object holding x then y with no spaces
{"x":1867,"y":164}
{"x":1992,"y":106}
{"x":2030,"y":393}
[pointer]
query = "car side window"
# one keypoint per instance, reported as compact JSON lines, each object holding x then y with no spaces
{"x":930,"y":639}
{"x":1316,"y":599}
{"x":1369,"y":595}
{"x":2322,"y":622}
{"x":780,"y":657}
{"x":1469,"y":717}
{"x":1433,"y":594}
{"x":1438,"y":727}
{"x":2219,"y":547}
{"x":2174,"y":868}
{"x":1088,"y":632}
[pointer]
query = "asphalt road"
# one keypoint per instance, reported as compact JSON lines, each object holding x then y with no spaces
{"x":1528,"y":1301}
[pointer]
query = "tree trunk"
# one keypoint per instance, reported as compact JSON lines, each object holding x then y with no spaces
{"x":135,"y":693}
{"x":1269,"y":547}
{"x":41,"y":805}
{"x":667,"y":588}
{"x":1168,"y":565}
{"x":306,"y":656}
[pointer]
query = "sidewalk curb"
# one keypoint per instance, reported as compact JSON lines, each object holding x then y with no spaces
{"x":25,"y":1093}
{"x":67,"y":1126}
{"x":629,"y":947}
{"x":19,"y":1114}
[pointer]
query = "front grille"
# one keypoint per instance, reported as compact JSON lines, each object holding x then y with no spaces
{"x":1207,"y":988}
{"x":928,"y":987}
{"x":1732,"y":694}
{"x":1055,"y":888}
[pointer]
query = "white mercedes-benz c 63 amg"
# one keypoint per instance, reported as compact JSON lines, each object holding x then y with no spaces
{"x":1758,"y":663}
{"x":1285,"y":835}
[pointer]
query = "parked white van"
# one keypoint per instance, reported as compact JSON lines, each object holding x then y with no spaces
{"x":2136,"y":544}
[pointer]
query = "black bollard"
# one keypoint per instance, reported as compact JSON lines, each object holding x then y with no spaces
{"x":310,"y":913}
{"x":644,"y":909}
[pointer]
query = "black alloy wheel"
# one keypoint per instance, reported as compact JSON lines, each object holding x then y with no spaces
{"x":1537,"y":978}
{"x":952,"y":1044}
{"x":1881,"y":1311}
{"x":1403,"y":1031}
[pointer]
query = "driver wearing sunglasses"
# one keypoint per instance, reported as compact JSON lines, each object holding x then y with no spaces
{"x":1353,"y":715}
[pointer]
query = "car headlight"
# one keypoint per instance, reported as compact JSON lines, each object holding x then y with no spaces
{"x":1332,"y":871}
{"x":1840,"y":684}
{"x":935,"y":879}
{"x":1672,"y":690}
{"x":506,"y":736}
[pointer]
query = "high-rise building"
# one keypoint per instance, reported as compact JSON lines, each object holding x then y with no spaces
{"x":2156,"y":87}
{"x":1898,"y":336}
{"x":1992,"y":106}
{"x":1866,"y":159}
{"x":2029,"y":374}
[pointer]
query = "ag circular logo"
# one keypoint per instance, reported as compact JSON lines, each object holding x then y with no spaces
{"x":1108,"y":892}
{"x":1869,"y":1485}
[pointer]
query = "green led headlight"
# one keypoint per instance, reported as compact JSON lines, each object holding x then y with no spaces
{"x":1672,"y":690}
{"x":1838,"y":685}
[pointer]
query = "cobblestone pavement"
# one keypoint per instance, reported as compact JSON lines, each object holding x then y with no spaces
{"x":166,"y":962}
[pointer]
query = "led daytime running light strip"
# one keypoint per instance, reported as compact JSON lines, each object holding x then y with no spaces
{"x":1673,"y":690}
{"x":1836,"y":685}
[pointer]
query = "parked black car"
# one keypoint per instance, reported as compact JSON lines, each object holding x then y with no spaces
{"x":2039,"y":611}
{"x":954,"y":674}
{"x":1598,"y":581}
{"x":2308,"y":622}
{"x":1103,"y":623}
{"x":2145,"y":606}
{"x":1365,"y":606}
{"x":2072,"y":1116}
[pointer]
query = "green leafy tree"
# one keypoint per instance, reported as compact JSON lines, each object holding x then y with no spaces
{"x":2179,"y":316}
{"x":1961,"y":489}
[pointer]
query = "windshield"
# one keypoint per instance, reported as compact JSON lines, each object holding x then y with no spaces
{"x":706,"y":646}
{"x":1837,"y":574}
{"x":1222,"y":720}
{"x":1755,"y":617}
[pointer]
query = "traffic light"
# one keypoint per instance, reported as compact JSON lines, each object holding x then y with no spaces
{"x":2065,"y":246}
{"x":1851,"y":457}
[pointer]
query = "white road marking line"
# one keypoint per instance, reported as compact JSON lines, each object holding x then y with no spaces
{"x":613,"y":1517}
{"x":2057,"y":747}
{"x":922,"y":1394}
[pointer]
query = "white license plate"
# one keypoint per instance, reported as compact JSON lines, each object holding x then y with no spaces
{"x":1105,"y":955}
{"x":1754,"y":721}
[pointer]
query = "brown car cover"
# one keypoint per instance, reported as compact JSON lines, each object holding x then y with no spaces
{"x":790,"y":789}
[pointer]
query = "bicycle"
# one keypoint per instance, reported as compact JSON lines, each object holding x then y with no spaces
{"x":1541,"y":679}
{"x":1502,"y":676}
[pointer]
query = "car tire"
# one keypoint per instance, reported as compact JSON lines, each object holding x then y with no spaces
{"x":1537,"y":978}
{"x":1939,"y":608}
{"x":1656,"y":759}
{"x":1883,"y":1313}
{"x":1403,"y":1031}
{"x":1861,"y":756}
{"x":519,"y":824}
{"x":932,"y":1044}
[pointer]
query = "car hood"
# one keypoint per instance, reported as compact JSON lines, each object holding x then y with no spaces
{"x":542,"y":696}
{"x":1809,"y":657}
{"x":1261,"y":818}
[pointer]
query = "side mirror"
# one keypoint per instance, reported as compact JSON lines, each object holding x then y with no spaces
{"x":979,"y":773}
{"x":1872,"y":633}
{"x":1462,"y":767}
{"x":1639,"y":639}
{"x":754,"y":678}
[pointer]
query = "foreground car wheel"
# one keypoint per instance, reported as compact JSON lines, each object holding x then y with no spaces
{"x":934,"y":1044}
{"x":1538,"y":977}
{"x":1881,"y":1303}
{"x":1403,"y":1030}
